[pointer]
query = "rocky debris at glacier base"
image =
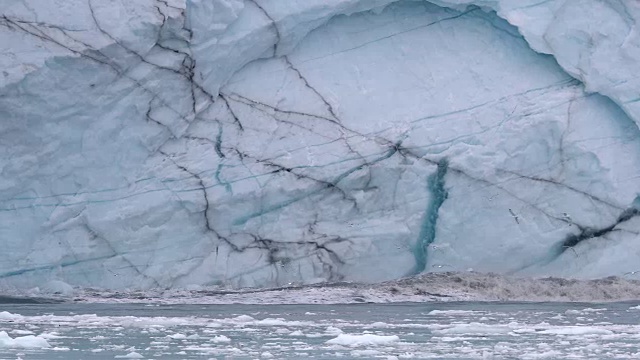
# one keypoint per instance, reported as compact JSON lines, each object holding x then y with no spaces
{"x":254,"y":143}
{"x":427,"y":287}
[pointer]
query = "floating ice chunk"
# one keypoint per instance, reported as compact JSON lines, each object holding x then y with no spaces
{"x":551,"y":354}
{"x":273,"y":322}
{"x":456,"y":338}
{"x":451,"y":312}
{"x":331,"y":330}
{"x":221,"y":339}
{"x":5,"y":315}
{"x":635,"y":307}
{"x":368,"y":352}
{"x":583,"y":311}
{"x":131,"y":355}
{"x":588,"y":310}
{"x":26,"y":342}
{"x":177,"y":336}
{"x":577,"y":330}
{"x":243,"y":319}
{"x":474,"y":328}
{"x":365,"y":339}
{"x":22,"y":332}
{"x":378,"y":324}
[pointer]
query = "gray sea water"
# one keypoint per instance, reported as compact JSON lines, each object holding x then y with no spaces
{"x":460,"y":330}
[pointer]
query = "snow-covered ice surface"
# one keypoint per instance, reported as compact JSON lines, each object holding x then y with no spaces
{"x":171,"y":144}
{"x":468,"y":330}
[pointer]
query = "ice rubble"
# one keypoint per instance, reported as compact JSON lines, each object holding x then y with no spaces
{"x":251,"y":143}
{"x":469,"y":330}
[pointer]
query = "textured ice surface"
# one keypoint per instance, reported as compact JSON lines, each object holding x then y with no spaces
{"x":255,"y":143}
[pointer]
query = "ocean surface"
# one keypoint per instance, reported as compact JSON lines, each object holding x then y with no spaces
{"x":429,"y":330}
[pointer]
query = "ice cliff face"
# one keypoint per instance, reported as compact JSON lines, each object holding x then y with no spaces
{"x":258,"y":143}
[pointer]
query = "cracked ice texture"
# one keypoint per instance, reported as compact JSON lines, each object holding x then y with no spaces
{"x":257,"y":143}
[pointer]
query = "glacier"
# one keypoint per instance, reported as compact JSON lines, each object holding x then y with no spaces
{"x":168,"y":143}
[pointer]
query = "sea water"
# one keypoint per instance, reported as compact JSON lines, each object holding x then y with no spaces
{"x":454,"y":330}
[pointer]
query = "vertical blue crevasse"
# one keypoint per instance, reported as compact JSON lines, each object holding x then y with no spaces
{"x":435,"y":185}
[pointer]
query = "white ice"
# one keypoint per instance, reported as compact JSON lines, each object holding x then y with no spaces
{"x":178,"y":144}
{"x":494,"y":331}
{"x":363,"y":340}
{"x":26,"y":342}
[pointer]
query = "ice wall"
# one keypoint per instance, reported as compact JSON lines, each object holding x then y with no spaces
{"x":257,"y":143}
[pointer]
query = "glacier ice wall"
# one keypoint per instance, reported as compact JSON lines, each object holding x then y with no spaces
{"x":255,"y":143}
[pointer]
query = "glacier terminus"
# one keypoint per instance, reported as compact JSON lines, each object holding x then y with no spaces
{"x":255,"y":143}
